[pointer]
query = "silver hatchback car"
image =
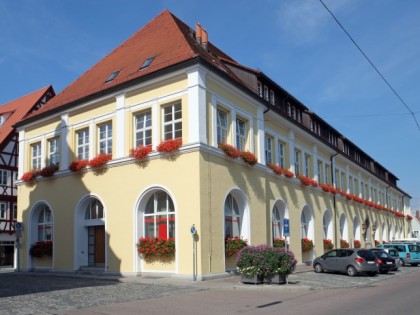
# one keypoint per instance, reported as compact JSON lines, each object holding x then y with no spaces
{"x":352,"y":261}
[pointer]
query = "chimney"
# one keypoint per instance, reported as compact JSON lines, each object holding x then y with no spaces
{"x":198,"y":33}
{"x":205,"y":40}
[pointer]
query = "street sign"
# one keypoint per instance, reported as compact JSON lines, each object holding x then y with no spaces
{"x":286,"y":227}
{"x":18,"y":226}
{"x":193,"y":230}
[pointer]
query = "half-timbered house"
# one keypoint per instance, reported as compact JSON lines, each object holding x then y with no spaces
{"x":11,"y":113}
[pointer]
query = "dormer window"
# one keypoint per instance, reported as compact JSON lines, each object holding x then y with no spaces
{"x":112,"y":76}
{"x":2,"y":119}
{"x":147,"y":63}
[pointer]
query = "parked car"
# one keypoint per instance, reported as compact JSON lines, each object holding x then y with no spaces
{"x":409,"y":253}
{"x":352,"y":261}
{"x":396,"y":255}
{"x":384,"y":260}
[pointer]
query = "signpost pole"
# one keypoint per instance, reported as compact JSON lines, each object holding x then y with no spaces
{"x":193,"y":231}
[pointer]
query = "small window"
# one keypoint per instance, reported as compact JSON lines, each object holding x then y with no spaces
{"x":147,"y":62}
{"x":112,"y":76}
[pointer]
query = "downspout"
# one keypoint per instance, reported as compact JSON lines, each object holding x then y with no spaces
{"x":405,"y":221}
{"x":334,"y":202}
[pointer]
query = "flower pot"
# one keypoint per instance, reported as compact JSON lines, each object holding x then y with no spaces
{"x":255,"y":279}
{"x":276,"y":279}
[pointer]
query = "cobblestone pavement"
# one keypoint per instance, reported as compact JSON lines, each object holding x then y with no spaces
{"x":41,"y":293}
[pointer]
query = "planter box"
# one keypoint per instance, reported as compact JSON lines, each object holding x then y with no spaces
{"x":252,"y":279}
{"x":276,"y":279}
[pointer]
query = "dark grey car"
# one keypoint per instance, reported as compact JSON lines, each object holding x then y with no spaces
{"x":352,"y":261}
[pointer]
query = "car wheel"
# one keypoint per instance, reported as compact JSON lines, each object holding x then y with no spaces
{"x":383,"y":271}
{"x":318,"y":268}
{"x":372,"y":273}
{"x":351,"y":271}
{"x":414,"y":265}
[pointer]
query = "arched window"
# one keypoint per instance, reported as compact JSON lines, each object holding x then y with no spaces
{"x":343,"y":228}
{"x":159,"y":216}
{"x":327,"y":224}
{"x":303,"y":225}
{"x":45,"y":224}
{"x":278,"y":216}
{"x":232,"y":217}
{"x":94,"y":210}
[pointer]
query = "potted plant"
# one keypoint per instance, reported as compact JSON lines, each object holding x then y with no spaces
{"x":264,"y":263}
{"x":156,"y":247}
{"x":169,"y":146}
{"x":41,"y":248}
{"x":328,"y":245}
{"x":233,"y":245}
{"x":357,"y":244}
{"x":229,"y":150}
{"x":140,"y":153}
{"x":307,"y":244}
{"x":249,"y":158}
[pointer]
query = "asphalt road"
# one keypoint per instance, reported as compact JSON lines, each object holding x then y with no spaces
{"x":308,"y":292}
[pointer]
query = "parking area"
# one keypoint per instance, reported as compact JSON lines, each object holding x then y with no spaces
{"x":37,"y":293}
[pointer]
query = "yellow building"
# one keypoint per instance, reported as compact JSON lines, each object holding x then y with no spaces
{"x":169,"y":82}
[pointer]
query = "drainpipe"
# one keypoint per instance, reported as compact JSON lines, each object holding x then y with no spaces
{"x":405,"y":223}
{"x":334,"y":202}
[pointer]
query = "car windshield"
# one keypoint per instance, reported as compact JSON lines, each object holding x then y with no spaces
{"x":414,"y":248}
{"x":393,"y":252}
{"x":366,"y":254}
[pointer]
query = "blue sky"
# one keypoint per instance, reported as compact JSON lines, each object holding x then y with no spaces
{"x":295,"y":42}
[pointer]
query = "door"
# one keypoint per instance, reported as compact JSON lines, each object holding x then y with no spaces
{"x":100,"y":245}
{"x":96,"y":246}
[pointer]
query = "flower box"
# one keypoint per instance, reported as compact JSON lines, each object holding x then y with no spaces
{"x":233,"y":245}
{"x":229,"y":150}
{"x":48,"y":171}
{"x":255,"y":279}
{"x":156,"y":247}
{"x":279,"y":242}
{"x":140,"y":153}
{"x":328,"y":245}
{"x":357,"y":244}
{"x":249,"y":158}
{"x":100,"y":160}
{"x":278,"y":278}
{"x":307,"y":244}
{"x":169,"y":146}
{"x":344,"y":244}
{"x":29,"y":176}
{"x":78,"y":165}
{"x":40,"y":249}
{"x":276,"y":169}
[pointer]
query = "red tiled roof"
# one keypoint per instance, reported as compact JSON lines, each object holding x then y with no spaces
{"x":19,"y":109}
{"x":166,"y":37}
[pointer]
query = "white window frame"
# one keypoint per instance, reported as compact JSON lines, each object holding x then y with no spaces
{"x":280,"y":154}
{"x":143,"y":128}
{"x":307,"y":160}
{"x":53,"y":151}
{"x":105,"y":138}
{"x":158,"y":215}
{"x":82,"y":144}
{"x":172,"y":119}
{"x":297,"y":161}
{"x":3,"y":210}
{"x":241,"y":134}
{"x":36,"y":154}
{"x":4,"y":177}
{"x":222,"y":126}
{"x":268,"y":149}
{"x":320,"y":172}
{"x":44,"y":224}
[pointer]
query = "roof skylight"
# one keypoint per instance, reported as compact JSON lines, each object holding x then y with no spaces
{"x":147,"y":62}
{"x":112,"y":76}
